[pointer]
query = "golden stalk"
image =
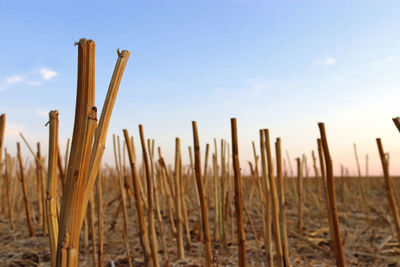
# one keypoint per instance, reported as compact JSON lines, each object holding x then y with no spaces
{"x":202,"y":196}
{"x":238,"y":195}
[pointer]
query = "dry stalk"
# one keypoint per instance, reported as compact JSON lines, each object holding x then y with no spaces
{"x":389,"y":188}
{"x":144,"y":237}
{"x":25,"y":193}
{"x":202,"y":196}
{"x":51,"y":192}
{"x":238,"y":195}
{"x":332,"y":198}
{"x":275,"y":203}
{"x":282,"y":204}
{"x":150,"y":213}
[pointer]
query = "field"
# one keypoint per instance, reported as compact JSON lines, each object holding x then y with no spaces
{"x":71,"y":209}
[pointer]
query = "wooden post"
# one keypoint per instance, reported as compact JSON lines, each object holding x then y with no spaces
{"x":202,"y":196}
{"x":238,"y":195}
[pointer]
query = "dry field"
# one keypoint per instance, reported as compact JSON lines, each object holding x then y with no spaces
{"x":71,"y":209}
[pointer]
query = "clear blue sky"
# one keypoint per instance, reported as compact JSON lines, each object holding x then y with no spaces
{"x":282,"y":65}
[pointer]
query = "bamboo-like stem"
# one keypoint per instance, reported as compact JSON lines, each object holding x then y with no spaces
{"x":267,"y":203}
{"x":299,"y":196}
{"x":92,"y":230}
{"x":144,"y":237}
{"x":205,"y":170}
{"x":326,"y":197}
{"x":84,"y":127}
{"x":183,"y":204}
{"x":100,"y":220}
{"x":290,"y":164}
{"x":389,"y":187}
{"x":275,"y":203}
{"x":43,"y":184}
{"x":25,"y":193}
{"x":8,"y":189}
{"x":157,"y":191}
{"x":317,"y":176}
{"x":178,"y":202}
{"x":238,"y":195}
{"x":362,"y":186}
{"x":332,"y":197}
{"x":2,"y":131}
{"x":202,"y":196}
{"x":282,"y":204}
{"x":150,"y":212}
{"x":117,"y":156}
{"x":168,"y":190}
{"x":216,"y":200}
{"x":61,"y":170}
{"x":222,"y":192}
{"x":51,"y":198}
{"x":85,"y":158}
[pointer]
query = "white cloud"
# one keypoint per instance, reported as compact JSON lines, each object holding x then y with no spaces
{"x":13,"y":129}
{"x":48,"y":74}
{"x":14,"y":79}
{"x":386,"y":60}
{"x":325,"y":61}
{"x":42,"y":113}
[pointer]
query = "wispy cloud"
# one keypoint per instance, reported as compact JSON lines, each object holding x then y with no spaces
{"x":35,"y":77}
{"x":48,"y":74}
{"x":42,"y":113}
{"x":35,"y":83}
{"x":386,"y":60}
{"x":14,"y":79}
{"x":325,"y":61}
{"x":13,"y":129}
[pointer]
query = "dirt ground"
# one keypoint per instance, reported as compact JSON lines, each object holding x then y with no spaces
{"x":368,"y":236}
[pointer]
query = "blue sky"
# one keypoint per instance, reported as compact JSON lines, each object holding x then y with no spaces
{"x":282,"y":65}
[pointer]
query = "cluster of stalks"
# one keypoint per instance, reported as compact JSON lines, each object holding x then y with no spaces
{"x":162,"y":194}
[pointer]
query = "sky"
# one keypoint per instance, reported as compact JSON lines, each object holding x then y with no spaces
{"x":281,"y":65}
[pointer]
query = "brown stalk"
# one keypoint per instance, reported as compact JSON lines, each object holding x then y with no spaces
{"x":202,"y":196}
{"x":178,"y":202}
{"x":150,"y":213}
{"x":389,"y":187}
{"x":92,"y":230}
{"x":299,"y":196}
{"x":8,"y":190}
{"x":43,"y":183}
{"x":25,"y":193}
{"x":117,"y":156}
{"x":326,"y":198}
{"x":144,"y":237}
{"x":51,"y":192}
{"x":100,"y":220}
{"x":282,"y":203}
{"x":275,"y":203}
{"x":167,"y":188}
{"x":332,"y":198}
{"x":267,"y":203}
{"x":238,"y":195}
{"x":157,"y":191}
